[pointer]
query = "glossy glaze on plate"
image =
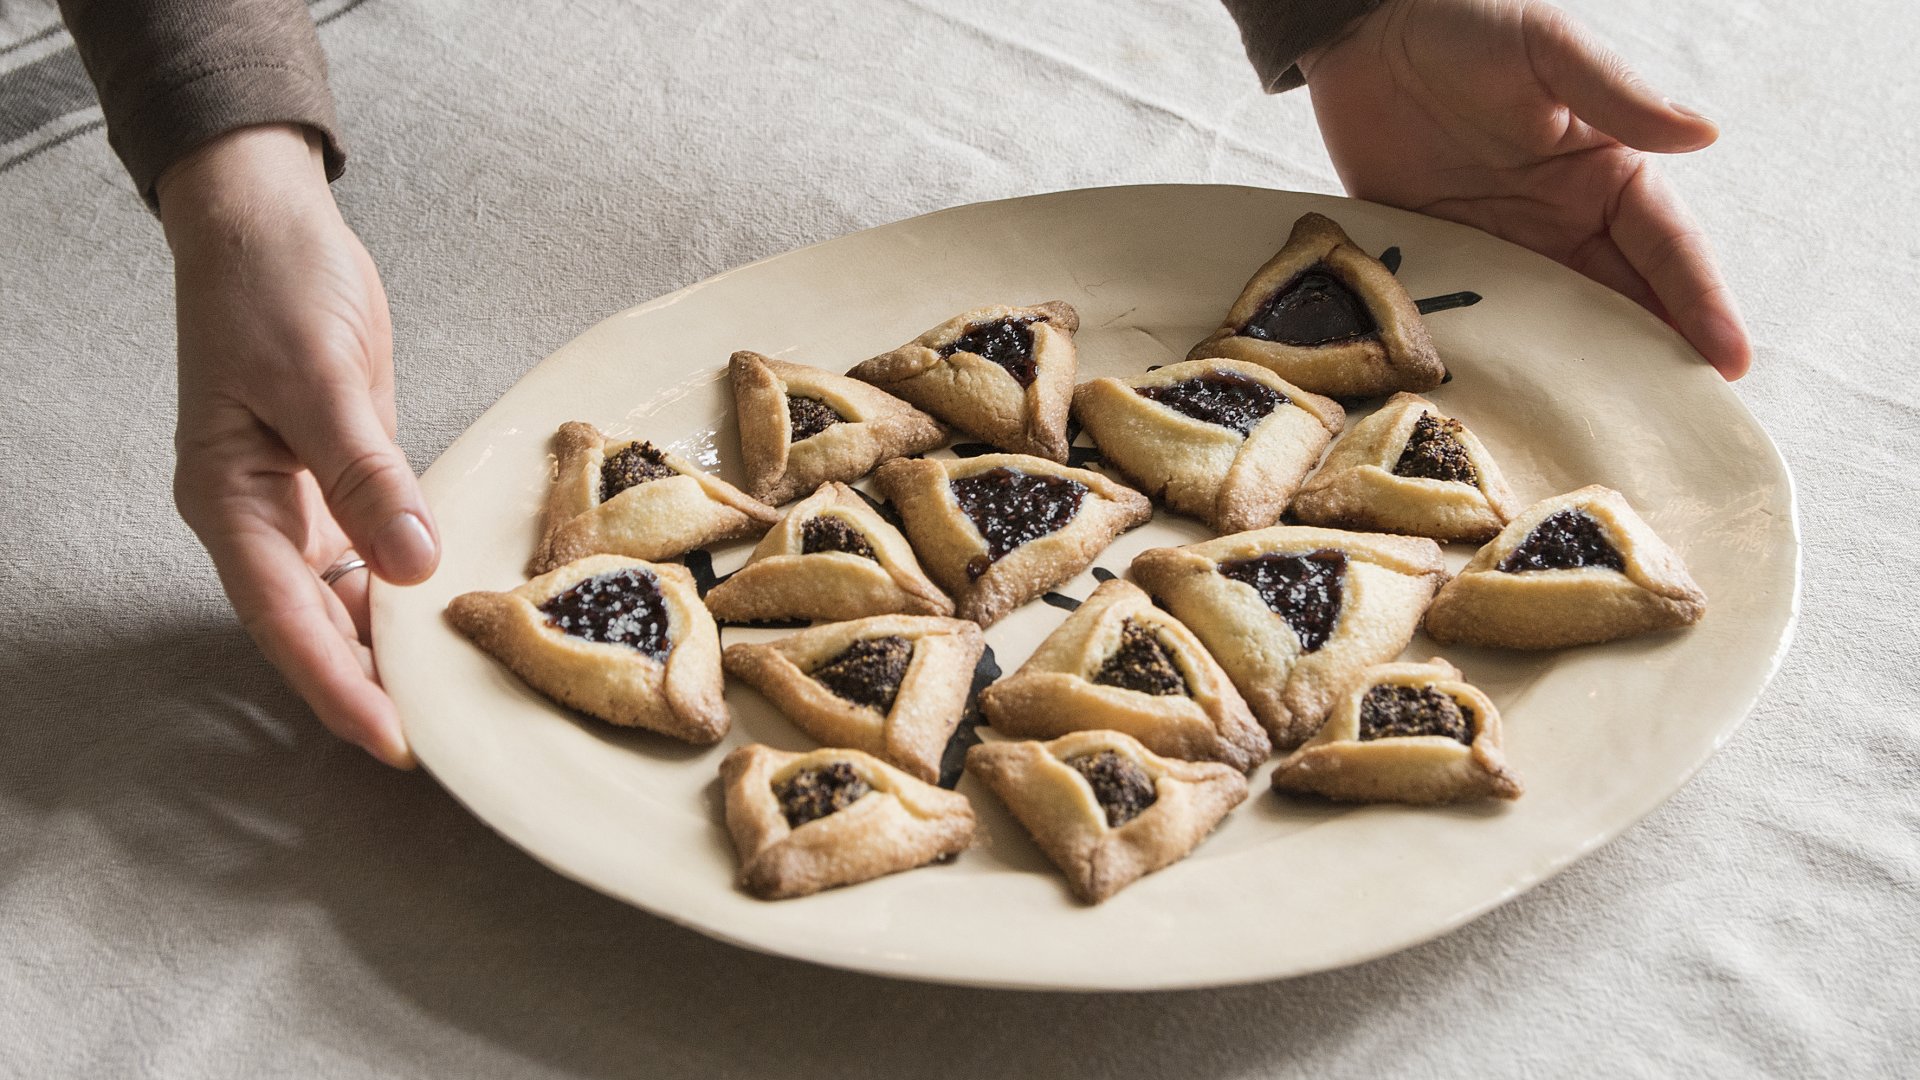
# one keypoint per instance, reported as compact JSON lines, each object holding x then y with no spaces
{"x":1566,"y":382}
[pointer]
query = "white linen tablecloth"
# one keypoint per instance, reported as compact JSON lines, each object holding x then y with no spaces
{"x":195,"y":881}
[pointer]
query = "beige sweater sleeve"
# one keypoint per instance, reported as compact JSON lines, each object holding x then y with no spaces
{"x":172,"y":74}
{"x":1277,"y":32}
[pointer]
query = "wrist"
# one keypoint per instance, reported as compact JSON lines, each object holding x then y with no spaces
{"x":241,"y":177}
{"x":1310,"y":59}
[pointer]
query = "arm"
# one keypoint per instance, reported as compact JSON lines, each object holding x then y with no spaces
{"x":1506,"y":115}
{"x":1277,"y":33}
{"x":174,"y":74}
{"x":284,"y":445}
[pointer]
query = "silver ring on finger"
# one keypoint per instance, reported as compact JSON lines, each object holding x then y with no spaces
{"x":344,"y":565}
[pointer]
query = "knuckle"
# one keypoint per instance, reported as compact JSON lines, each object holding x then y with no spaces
{"x":192,"y":494}
{"x":1678,"y":264}
{"x":366,"y":479}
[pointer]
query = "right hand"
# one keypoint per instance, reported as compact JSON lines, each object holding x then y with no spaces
{"x":285,"y":444}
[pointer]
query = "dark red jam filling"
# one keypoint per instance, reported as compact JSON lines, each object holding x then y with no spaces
{"x":1434,"y":452}
{"x":621,"y":607}
{"x":808,"y":417}
{"x":830,"y":532}
{"x":1011,"y":508}
{"x":632,"y":465}
{"x":1315,"y":308}
{"x":869,"y":672}
{"x":1123,"y":789}
{"x":1392,"y":712}
{"x":1007,"y":342}
{"x":1226,"y":398}
{"x":812,"y":794}
{"x":1141,"y":663}
{"x":1305,"y":590}
{"x":1566,"y":540}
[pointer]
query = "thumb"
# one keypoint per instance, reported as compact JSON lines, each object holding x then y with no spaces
{"x":1598,"y":86}
{"x":368,"y":485}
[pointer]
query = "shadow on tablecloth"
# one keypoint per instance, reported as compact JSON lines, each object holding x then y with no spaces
{"x":185,"y":750}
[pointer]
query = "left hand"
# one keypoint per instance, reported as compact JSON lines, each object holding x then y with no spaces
{"x":1506,"y":115}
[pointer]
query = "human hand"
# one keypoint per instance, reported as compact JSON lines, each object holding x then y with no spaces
{"x":285,"y":451}
{"x":1506,"y":115}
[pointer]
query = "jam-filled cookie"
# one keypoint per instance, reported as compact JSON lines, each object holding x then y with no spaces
{"x":624,"y":640}
{"x":1329,"y":318}
{"x":831,"y":557}
{"x":1575,"y":569}
{"x":1294,"y":614}
{"x":1120,"y":664}
{"x":801,"y":426}
{"x":1104,"y":808}
{"x":1409,"y":468}
{"x":1001,"y":374}
{"x":806,"y":822}
{"x":1000,"y":529}
{"x":629,"y":497}
{"x":1411,"y":733}
{"x":1223,"y":440}
{"x":894,"y":686}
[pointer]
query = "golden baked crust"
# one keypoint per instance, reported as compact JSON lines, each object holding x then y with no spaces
{"x":948,"y":541}
{"x":902,"y":823}
{"x":931,"y":699}
{"x":1233,"y":482}
{"x":979,"y":396}
{"x":1338,"y":764}
{"x":1551,"y":609}
{"x":680,"y":695}
{"x":780,"y":581}
{"x":1399,"y":356}
{"x":1056,"y":692}
{"x":1385,"y":584}
{"x":658,"y":519}
{"x":1357,"y":488}
{"x":1058,"y":806}
{"x":875,"y":427}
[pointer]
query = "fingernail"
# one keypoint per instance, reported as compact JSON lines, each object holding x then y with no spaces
{"x":1727,"y":347}
{"x":403,"y":549}
{"x":1685,"y":110}
{"x":399,"y":757}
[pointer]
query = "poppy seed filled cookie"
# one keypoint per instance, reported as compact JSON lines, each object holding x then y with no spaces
{"x":1294,"y":613}
{"x":1000,"y":529}
{"x":1328,"y":317}
{"x":1121,"y":664}
{"x":1225,"y":441}
{"x":1576,"y":569}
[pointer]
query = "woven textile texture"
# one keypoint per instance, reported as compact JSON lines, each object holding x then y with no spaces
{"x":196,"y":882}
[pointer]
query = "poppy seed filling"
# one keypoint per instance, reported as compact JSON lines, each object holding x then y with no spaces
{"x":1434,"y":452}
{"x":812,"y":794}
{"x":1123,"y":789}
{"x":1566,"y":540}
{"x":632,"y":465}
{"x":807,"y":417}
{"x":869,"y":672}
{"x":1391,"y":712}
{"x":830,"y":532}
{"x":1141,"y":663}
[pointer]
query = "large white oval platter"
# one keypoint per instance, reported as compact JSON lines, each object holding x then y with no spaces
{"x":1566,"y":382}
